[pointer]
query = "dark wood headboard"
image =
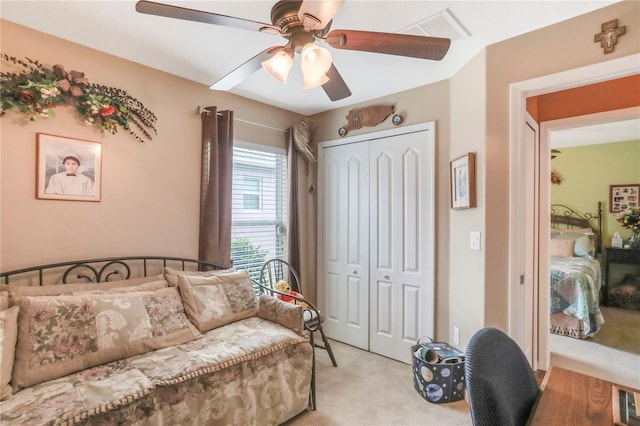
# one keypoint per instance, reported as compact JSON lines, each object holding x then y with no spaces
{"x":567,"y":218}
{"x":101,"y":270}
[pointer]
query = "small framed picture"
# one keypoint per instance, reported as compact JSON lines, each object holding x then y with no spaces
{"x":622,"y":197}
{"x":463,"y":181}
{"x":68,"y":168}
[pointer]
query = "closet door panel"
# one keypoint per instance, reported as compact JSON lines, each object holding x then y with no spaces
{"x":383,"y":210}
{"x":403,"y":187}
{"x":411,"y":211}
{"x":344,"y":297}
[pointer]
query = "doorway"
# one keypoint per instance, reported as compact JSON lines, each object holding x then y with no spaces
{"x":616,"y":68}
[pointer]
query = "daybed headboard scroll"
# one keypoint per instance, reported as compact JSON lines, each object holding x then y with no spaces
{"x":101,"y":270}
{"x":564,"y":216}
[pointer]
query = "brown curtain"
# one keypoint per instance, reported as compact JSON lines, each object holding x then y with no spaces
{"x":215,"y":186}
{"x":294,"y":218}
{"x":301,"y":161}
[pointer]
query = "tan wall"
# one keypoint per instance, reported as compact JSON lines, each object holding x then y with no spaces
{"x":467,"y":267}
{"x":150,"y":194}
{"x":550,"y":50}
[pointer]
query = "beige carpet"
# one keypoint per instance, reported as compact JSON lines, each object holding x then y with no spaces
{"x":621,"y":330}
{"x":368,"y":389}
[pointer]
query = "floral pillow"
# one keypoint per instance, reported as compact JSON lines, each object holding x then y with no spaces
{"x":58,"y":335}
{"x":171,"y":275}
{"x":4,"y":300}
{"x":214,"y":301}
{"x":59,"y":289}
{"x":8,"y":336}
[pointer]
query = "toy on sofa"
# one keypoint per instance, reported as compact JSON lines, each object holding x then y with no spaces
{"x":284,"y":287}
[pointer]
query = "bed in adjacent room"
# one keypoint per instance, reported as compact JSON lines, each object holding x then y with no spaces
{"x":576,"y":272}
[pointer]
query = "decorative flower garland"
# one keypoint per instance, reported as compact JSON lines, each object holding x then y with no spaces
{"x":38,"y":90}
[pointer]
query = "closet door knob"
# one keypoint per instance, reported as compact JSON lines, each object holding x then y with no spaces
{"x":355,"y":272}
{"x":386,"y":277}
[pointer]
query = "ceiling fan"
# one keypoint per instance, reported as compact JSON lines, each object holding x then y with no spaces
{"x":302,"y":23}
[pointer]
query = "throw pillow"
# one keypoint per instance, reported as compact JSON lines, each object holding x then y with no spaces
{"x":58,"y":335}
{"x":214,"y":301}
{"x":8,"y":336}
{"x":584,"y":245}
{"x":171,"y":275}
{"x":575,"y":230}
{"x":150,"y":286}
{"x":4,"y":300}
{"x":561,"y":247}
{"x":59,"y":289}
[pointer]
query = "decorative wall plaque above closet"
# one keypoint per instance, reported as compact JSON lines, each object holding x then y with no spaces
{"x":364,"y":117}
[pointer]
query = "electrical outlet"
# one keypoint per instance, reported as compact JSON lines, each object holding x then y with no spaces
{"x":456,"y":335}
{"x":475,"y":241}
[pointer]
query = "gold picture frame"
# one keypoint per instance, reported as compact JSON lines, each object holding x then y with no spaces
{"x":68,"y":169}
{"x":462,"y":173}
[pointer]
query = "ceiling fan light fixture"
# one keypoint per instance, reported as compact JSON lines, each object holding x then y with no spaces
{"x":313,"y":82}
{"x":278,"y":66}
{"x":316,"y":60}
{"x":316,"y":15}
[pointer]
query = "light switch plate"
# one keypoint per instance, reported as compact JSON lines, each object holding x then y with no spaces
{"x":475,"y":241}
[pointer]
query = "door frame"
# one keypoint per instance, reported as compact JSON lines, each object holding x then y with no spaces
{"x":519,"y":91}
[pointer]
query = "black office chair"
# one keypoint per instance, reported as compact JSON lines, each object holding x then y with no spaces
{"x":501,"y":386}
{"x":276,"y":270}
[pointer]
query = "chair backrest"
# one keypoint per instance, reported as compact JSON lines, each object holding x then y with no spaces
{"x":501,"y":386}
{"x":275,"y":270}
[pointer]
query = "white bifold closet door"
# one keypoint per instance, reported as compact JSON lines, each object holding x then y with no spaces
{"x":377,"y":273}
{"x":345,"y":266}
{"x":401,"y":244}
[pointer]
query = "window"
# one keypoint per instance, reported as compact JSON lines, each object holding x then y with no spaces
{"x":259,"y":206}
{"x":251,"y":191}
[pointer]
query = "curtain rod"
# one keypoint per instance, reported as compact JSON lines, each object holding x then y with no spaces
{"x":202,"y":110}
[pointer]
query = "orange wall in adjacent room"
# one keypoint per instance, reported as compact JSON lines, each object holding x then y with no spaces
{"x":606,"y":96}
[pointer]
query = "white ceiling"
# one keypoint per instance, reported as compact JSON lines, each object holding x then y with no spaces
{"x":617,"y":131}
{"x":205,"y":52}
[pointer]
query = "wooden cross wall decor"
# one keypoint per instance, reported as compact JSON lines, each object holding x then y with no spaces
{"x":608,"y":38}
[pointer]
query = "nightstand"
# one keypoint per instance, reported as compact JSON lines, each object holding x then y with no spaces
{"x":623,"y":256}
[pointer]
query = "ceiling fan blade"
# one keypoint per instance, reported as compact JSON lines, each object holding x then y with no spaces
{"x":335,"y":88}
{"x":177,"y":12}
{"x":413,"y":46}
{"x":244,"y":71}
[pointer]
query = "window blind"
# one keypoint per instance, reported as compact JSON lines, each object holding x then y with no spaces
{"x":259,"y":207}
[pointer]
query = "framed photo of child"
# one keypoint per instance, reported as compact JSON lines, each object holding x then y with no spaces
{"x":68,"y":169}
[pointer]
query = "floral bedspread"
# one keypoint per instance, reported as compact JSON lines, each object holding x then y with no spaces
{"x":248,"y":372}
{"x":575,"y":289}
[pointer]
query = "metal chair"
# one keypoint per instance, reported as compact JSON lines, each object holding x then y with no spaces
{"x":276,"y":270}
{"x":501,"y":386}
